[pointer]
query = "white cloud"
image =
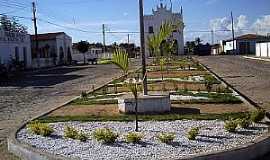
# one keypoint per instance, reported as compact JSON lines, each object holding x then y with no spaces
{"x":262,"y":25}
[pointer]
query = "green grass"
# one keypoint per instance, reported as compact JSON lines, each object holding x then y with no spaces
{"x":127,"y":118}
{"x":93,"y":101}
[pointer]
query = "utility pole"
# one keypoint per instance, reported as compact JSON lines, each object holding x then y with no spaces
{"x":128,"y":39}
{"x":104,"y":38}
{"x":233,"y":33}
{"x":145,"y":91}
{"x":35,"y":28}
{"x":212,"y":37}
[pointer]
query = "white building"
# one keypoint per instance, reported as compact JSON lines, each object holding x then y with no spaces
{"x":15,"y":46}
{"x":263,"y":49}
{"x":245,"y":44}
{"x":153,"y":22}
{"x":53,"y":49}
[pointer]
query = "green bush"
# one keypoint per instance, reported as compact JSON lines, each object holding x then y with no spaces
{"x":166,"y":137}
{"x":193,"y":133}
{"x":133,"y":137}
{"x":82,"y":137}
{"x":105,"y":135}
{"x":244,"y":123}
{"x":70,"y":132}
{"x":257,"y":116}
{"x":40,"y":129}
{"x":231,"y":125}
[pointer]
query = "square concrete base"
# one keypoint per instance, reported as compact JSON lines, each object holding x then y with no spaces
{"x":146,"y":104}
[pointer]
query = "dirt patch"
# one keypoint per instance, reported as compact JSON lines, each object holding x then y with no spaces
{"x":175,"y":74}
{"x":215,"y":108}
{"x":84,"y":110}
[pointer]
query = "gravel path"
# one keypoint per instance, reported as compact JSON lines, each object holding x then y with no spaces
{"x":212,"y":137}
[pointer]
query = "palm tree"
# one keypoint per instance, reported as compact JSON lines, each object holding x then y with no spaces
{"x":120,"y":58}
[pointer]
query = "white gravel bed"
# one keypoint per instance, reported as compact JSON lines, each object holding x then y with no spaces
{"x":212,"y":137}
{"x":185,"y":98}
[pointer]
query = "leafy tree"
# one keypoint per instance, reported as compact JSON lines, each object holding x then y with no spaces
{"x":12,"y":25}
{"x":83,"y":47}
{"x":120,"y":58}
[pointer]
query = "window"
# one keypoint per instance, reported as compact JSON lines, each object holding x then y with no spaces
{"x":151,"y":29}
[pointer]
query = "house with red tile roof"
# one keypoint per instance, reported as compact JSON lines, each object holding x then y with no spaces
{"x":53,"y":49}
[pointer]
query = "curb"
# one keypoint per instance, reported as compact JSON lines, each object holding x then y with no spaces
{"x":257,"y":58}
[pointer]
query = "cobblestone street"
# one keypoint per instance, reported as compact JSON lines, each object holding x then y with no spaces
{"x":36,"y":93}
{"x":250,"y":77}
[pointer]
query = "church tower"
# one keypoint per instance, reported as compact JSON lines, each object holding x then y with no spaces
{"x":153,"y":22}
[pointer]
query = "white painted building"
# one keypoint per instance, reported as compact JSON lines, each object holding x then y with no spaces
{"x":244,"y":45}
{"x":16,"y":46}
{"x":153,"y":22}
{"x":91,"y":54}
{"x":263,"y":49}
{"x":53,"y":49}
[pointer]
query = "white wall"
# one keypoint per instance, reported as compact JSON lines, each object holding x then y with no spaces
{"x":9,"y":41}
{"x":160,"y":16}
{"x":263,"y":49}
{"x":229,"y":46}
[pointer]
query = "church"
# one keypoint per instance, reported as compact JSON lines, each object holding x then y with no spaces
{"x":153,"y":22}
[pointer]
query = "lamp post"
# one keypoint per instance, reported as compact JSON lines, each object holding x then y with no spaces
{"x":145,"y":91}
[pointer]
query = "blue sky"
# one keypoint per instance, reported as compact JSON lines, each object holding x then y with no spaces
{"x":122,"y":15}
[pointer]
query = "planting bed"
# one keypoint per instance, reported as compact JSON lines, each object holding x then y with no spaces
{"x":212,"y":137}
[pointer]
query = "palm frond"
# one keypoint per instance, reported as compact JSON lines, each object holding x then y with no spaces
{"x":120,"y":58}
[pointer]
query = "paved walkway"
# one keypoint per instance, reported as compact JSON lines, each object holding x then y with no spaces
{"x":250,"y":77}
{"x":36,"y":93}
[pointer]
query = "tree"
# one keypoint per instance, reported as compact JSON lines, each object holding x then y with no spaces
{"x":134,"y":88}
{"x":198,"y":41}
{"x":12,"y":25}
{"x":120,"y":58}
{"x":83,"y":47}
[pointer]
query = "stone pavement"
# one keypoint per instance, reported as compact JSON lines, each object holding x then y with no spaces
{"x":250,"y":77}
{"x":35,"y":93}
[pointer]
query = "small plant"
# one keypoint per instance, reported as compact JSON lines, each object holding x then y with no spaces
{"x":133,"y":137}
{"x":166,"y":137}
{"x":40,"y":129}
{"x":70,"y":132}
{"x":231,"y":125}
{"x":82,"y":137}
{"x":105,"y":135}
{"x":257,"y":116}
{"x":244,"y":123}
{"x":193,"y":133}
{"x":84,"y":94}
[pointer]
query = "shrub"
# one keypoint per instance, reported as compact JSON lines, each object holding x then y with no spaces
{"x":84,"y":94}
{"x":257,"y":116}
{"x":40,"y":129}
{"x":231,"y":125}
{"x":244,"y":123}
{"x":133,"y":137}
{"x":105,"y":135}
{"x":166,"y":137}
{"x":193,"y":133}
{"x":70,"y":132}
{"x":82,"y":137}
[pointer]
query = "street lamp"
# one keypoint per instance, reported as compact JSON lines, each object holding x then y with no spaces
{"x":145,"y":91}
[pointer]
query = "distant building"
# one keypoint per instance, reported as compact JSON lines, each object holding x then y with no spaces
{"x":245,"y":44}
{"x":15,"y":47}
{"x":216,"y":49}
{"x":53,"y":49}
{"x":153,"y":22}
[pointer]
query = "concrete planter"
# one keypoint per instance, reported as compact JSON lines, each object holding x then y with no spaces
{"x":146,"y":104}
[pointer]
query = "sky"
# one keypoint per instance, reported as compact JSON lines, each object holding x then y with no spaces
{"x":75,"y":17}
